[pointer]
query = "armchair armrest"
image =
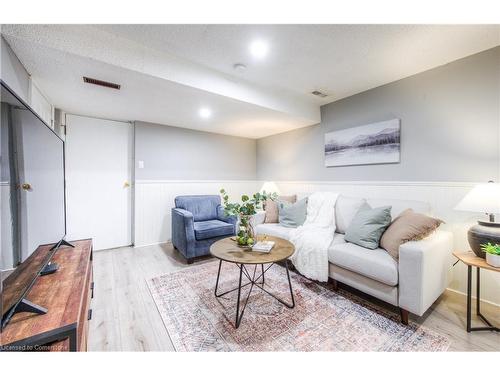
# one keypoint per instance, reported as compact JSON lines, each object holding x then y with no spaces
{"x":423,"y":271}
{"x":183,"y":231}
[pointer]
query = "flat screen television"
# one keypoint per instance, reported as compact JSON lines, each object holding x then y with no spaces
{"x":32,"y":201}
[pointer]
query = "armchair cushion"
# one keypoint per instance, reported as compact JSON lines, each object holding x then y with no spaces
{"x":212,"y":228}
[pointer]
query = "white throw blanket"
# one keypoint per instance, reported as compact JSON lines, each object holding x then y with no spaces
{"x":313,"y":239}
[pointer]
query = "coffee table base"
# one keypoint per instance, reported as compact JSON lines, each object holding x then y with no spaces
{"x":253,"y":281}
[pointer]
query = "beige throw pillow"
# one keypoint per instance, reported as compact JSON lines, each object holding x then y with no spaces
{"x":272,"y":214}
{"x":408,"y":226}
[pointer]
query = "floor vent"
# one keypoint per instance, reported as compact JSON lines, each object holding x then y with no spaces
{"x":98,"y":82}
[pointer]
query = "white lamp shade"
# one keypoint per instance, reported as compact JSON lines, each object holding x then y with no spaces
{"x":483,"y":198}
{"x":269,"y":187}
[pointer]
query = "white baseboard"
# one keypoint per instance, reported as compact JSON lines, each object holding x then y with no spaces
{"x":112,"y":248}
{"x":473,"y":297}
{"x":153,"y":244}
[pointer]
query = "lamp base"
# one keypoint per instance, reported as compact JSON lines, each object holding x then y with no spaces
{"x":482,"y":233}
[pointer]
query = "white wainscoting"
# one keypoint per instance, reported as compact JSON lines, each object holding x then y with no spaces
{"x":155,"y":199}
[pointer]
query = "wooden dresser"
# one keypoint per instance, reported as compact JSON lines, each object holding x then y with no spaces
{"x":66,"y":294}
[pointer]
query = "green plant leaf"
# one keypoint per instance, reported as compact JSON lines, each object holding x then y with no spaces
{"x":491,"y":248}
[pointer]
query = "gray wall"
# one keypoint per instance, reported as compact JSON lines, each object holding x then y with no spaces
{"x":13,"y":72}
{"x":450,"y":128}
{"x":171,"y":153}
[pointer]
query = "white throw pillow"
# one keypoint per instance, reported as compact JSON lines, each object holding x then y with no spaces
{"x":345,"y":210}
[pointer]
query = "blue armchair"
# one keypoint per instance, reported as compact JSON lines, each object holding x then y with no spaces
{"x":197,"y":222}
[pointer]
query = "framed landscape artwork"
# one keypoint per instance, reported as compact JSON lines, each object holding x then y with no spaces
{"x":377,"y":143}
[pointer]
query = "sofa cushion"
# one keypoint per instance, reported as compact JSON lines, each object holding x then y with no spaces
{"x":273,"y":230}
{"x":212,"y":228}
{"x":292,"y":215}
{"x":345,"y":210}
{"x":376,"y":264}
{"x":272,"y":207}
{"x":368,"y":225}
{"x":203,"y":207}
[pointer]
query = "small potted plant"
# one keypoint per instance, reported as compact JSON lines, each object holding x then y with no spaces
{"x":492,"y":254}
{"x":244,"y":210}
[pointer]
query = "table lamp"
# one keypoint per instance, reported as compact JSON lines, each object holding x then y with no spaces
{"x":483,"y":198}
{"x":269,"y":187}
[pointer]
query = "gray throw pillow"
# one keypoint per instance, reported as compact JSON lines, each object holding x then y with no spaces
{"x":368,"y":225}
{"x":345,"y":210}
{"x":292,"y":215}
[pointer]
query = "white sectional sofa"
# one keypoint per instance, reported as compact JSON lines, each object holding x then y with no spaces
{"x":413,"y":283}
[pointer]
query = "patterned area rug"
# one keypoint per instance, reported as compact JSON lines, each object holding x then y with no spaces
{"x":322,"y":320}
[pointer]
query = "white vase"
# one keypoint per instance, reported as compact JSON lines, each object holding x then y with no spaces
{"x":493,"y":260}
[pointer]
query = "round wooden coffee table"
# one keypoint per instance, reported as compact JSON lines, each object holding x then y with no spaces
{"x":228,"y":251}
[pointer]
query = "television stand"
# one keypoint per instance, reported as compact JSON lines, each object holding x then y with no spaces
{"x":66,"y":294}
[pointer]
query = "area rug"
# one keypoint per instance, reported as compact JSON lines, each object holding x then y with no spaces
{"x":322,"y":320}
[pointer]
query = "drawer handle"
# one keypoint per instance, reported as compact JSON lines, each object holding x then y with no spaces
{"x":92,"y":289}
{"x":89,"y":316}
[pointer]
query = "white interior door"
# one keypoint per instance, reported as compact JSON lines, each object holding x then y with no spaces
{"x":98,"y":181}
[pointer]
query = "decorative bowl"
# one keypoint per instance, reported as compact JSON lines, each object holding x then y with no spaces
{"x":483,"y":232}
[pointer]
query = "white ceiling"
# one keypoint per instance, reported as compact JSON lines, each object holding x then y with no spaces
{"x":168,"y":72}
{"x":341,"y":60}
{"x":142,"y":97}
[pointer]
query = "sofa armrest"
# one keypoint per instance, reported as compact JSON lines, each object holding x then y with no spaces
{"x":423,"y":271}
{"x":221,"y":215}
{"x":183,"y":231}
{"x":258,"y":218}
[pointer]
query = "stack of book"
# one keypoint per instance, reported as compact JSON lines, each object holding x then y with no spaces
{"x":263,"y":246}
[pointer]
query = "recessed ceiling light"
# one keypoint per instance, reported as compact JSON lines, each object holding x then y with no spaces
{"x":259,"y":49}
{"x":205,"y":112}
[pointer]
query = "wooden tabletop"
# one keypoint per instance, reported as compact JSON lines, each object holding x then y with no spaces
{"x":227,"y":250}
{"x":472,"y":259}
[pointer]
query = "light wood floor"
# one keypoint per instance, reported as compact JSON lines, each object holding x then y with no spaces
{"x":125,"y":317}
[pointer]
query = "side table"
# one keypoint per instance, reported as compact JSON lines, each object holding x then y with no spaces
{"x":471,"y":260}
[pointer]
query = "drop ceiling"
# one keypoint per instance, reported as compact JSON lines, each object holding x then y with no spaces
{"x":168,"y":72}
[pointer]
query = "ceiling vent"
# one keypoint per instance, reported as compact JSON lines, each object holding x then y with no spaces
{"x":319,"y":94}
{"x":98,"y":82}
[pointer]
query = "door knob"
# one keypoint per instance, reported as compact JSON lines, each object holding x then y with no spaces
{"x":126,"y":184}
{"x":26,"y":186}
